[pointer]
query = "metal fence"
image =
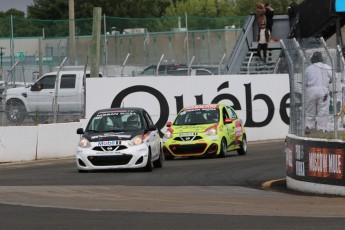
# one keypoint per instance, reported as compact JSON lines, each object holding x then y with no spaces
{"x":31,"y":48}
{"x":297,"y":54}
{"x":28,"y":27}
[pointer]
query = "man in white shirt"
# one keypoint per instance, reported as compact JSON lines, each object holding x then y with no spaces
{"x":318,"y":76}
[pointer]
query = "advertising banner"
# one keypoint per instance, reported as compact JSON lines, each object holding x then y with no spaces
{"x":315,"y":160}
{"x":261,"y":101}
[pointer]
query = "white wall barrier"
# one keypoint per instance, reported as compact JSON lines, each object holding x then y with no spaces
{"x":18,"y":143}
{"x":27,"y":143}
{"x":57,"y":140}
{"x":262,"y":101}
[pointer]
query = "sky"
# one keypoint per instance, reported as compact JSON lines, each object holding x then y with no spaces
{"x":16,"y":4}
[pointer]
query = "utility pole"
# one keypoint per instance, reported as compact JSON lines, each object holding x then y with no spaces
{"x":71,"y":31}
{"x":96,"y":41}
{"x":1,"y":54}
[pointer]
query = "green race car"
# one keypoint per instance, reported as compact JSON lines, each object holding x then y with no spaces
{"x":205,"y":130}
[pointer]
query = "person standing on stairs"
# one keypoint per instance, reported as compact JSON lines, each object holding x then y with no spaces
{"x":260,"y":14}
{"x":293,"y":18}
{"x":269,"y":16}
{"x":263,"y":38}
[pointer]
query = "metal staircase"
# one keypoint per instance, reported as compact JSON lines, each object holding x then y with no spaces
{"x":253,"y":65}
{"x":316,"y":19}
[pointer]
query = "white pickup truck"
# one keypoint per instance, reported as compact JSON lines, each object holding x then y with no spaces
{"x":38,"y":99}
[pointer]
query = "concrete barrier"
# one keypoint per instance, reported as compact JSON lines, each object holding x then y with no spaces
{"x":315,"y":165}
{"x":27,"y":143}
{"x":18,"y":143}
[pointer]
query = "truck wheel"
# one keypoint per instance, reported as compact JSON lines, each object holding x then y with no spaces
{"x":15,"y":111}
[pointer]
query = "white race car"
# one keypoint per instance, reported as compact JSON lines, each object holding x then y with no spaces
{"x":119,"y":138}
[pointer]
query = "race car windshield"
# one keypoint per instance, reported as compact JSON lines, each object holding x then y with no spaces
{"x":198,"y":116}
{"x":115,"y":121}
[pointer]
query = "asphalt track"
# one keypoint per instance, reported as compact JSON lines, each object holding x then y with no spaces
{"x":238,"y":192}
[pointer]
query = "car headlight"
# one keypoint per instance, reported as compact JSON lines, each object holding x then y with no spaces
{"x":211,"y":132}
{"x":167,"y":134}
{"x":84,"y":143}
{"x":137,"y":140}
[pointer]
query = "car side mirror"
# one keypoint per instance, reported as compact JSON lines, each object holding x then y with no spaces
{"x":36,"y":87}
{"x":80,"y":131}
{"x":228,"y":120}
{"x":169,"y":124}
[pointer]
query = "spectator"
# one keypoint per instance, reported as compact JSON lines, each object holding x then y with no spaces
{"x":318,"y":76}
{"x":269,"y":16}
{"x":260,"y":14}
{"x":292,"y":13}
{"x":263,"y":38}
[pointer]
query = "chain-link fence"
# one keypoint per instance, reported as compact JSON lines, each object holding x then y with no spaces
{"x":32,"y":47}
{"x":315,"y":71}
{"x":27,"y":27}
{"x":40,"y":45}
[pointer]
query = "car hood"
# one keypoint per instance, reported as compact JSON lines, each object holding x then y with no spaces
{"x":111,"y":136}
{"x":190,"y":128}
{"x":17,"y":90}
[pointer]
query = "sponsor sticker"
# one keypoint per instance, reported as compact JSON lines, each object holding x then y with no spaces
{"x":108,"y":143}
{"x":187,"y":134}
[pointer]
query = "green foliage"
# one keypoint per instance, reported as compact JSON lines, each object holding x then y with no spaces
{"x":58,"y":9}
{"x":193,"y":7}
{"x":42,"y":9}
{"x":13,"y":12}
{"x":157,"y":16}
{"x":245,"y":7}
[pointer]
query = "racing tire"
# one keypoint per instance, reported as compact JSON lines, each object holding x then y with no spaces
{"x":159,"y":162}
{"x":243,"y":146}
{"x":15,"y":111}
{"x":148,"y":167}
{"x":223,"y":148}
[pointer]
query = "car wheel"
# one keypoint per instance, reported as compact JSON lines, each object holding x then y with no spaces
{"x":148,"y":167}
{"x":159,"y":162}
{"x":243,"y":146}
{"x":223,"y":148}
{"x":15,"y":111}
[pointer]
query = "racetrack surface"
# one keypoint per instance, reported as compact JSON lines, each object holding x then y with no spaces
{"x":185,"y":194}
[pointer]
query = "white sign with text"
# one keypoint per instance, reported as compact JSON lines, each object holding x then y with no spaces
{"x":262,"y":101}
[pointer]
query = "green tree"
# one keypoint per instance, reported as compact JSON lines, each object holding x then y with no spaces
{"x":246,"y":7}
{"x":58,"y":9}
{"x":13,"y":12}
{"x":192,"y":7}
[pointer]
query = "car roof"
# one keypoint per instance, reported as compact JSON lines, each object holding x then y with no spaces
{"x":137,"y":109}
{"x":204,"y":106}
